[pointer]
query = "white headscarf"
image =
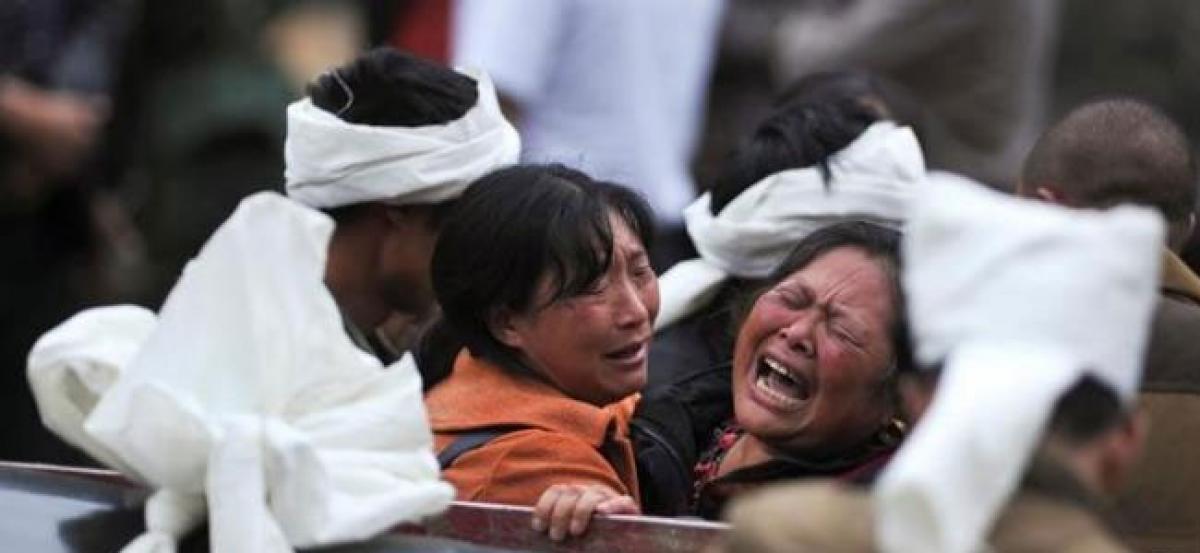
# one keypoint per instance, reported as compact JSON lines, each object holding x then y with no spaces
{"x":331,"y":163}
{"x":1019,"y":299}
{"x":870,"y":180}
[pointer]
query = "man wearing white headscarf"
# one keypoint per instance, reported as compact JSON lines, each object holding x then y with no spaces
{"x":280,"y":427}
{"x":384,"y":145}
{"x":1031,"y":320}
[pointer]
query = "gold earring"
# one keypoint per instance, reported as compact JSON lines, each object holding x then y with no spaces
{"x":893,"y":432}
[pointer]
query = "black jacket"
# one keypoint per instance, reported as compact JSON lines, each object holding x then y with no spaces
{"x":672,"y":426}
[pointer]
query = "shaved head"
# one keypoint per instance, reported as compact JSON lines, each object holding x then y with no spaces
{"x":1114,"y":151}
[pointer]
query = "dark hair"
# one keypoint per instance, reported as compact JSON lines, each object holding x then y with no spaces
{"x":512,"y":228}
{"x":1087,"y":410}
{"x":797,"y":135}
{"x":877,"y":242}
{"x":390,"y":88}
{"x":886,"y":99}
{"x":1113,"y":151}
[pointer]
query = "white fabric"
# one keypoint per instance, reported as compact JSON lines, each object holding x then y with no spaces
{"x":869,"y":180}
{"x":71,"y":366}
{"x":249,"y":397}
{"x":1019,"y":299}
{"x":331,"y":163}
{"x":615,"y":88}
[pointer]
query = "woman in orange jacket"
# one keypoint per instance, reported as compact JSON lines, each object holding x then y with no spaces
{"x":543,"y":278}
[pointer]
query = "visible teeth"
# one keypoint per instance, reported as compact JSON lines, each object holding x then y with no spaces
{"x":784,"y":400}
{"x":779,"y":369}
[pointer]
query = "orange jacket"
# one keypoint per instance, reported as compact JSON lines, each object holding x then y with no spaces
{"x":565,"y":441}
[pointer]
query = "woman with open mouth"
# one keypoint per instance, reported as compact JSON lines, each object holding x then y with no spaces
{"x":543,"y":279}
{"x":811,"y":378}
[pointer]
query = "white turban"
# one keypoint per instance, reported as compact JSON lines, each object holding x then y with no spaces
{"x":1019,"y":300}
{"x":331,"y":163}
{"x":246,"y":399}
{"x":870,"y":180}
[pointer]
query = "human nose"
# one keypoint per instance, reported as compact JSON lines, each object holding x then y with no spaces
{"x":799,"y":334}
{"x":629,"y":306}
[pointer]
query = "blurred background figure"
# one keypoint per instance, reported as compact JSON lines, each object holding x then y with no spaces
{"x":57,"y":72}
{"x":200,"y":111}
{"x":980,"y":68}
{"x":615,"y":88}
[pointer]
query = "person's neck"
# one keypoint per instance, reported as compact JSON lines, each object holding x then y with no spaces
{"x":1083,"y":465}
{"x":350,"y":276}
{"x":747,"y":451}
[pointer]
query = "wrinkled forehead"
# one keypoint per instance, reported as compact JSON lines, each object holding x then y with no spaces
{"x":847,"y":277}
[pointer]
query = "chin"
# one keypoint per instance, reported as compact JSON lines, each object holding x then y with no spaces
{"x":633,"y":387}
{"x":626,"y":387}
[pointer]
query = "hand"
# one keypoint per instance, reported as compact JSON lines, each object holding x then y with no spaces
{"x":567,"y":508}
{"x":56,"y":129}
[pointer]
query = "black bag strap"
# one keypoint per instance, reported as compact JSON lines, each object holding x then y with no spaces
{"x":470,"y":441}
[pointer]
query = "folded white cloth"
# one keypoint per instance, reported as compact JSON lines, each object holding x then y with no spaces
{"x":869,"y":180}
{"x":71,"y":366}
{"x":249,"y":397}
{"x":331,"y":163}
{"x":1018,"y":300}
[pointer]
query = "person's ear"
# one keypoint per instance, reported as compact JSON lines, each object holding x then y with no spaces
{"x":507,"y":327}
{"x":1122,"y":451}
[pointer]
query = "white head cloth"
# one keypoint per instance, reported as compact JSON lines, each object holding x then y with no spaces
{"x":870,"y":180}
{"x":1018,"y":299}
{"x":331,"y":163}
{"x":246,"y":398}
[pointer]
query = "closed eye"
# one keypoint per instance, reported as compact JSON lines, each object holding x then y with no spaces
{"x":846,"y":335}
{"x":843,"y":327}
{"x":791,"y":298}
{"x":641,"y":270}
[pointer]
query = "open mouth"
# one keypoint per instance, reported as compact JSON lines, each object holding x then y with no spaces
{"x":633,"y":353}
{"x":780,"y":385}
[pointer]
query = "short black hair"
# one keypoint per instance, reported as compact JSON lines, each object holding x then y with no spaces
{"x":1118,"y":150}
{"x":515,"y":226}
{"x":389,"y":88}
{"x":1086,"y":411}
{"x":887,"y":99}
{"x":878,"y":242}
{"x":797,"y":135}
